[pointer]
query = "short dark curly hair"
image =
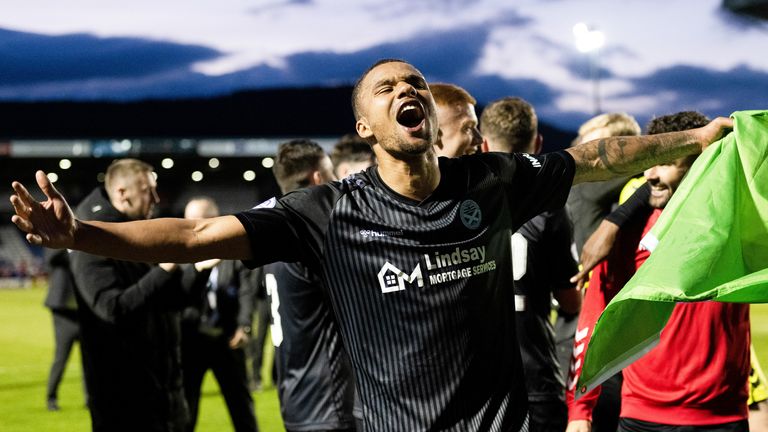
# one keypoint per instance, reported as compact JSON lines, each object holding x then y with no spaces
{"x":676,"y":122}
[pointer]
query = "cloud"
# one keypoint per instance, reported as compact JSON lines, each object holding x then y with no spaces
{"x":441,"y":55}
{"x":170,"y":85}
{"x":401,"y":8}
{"x":744,"y":18}
{"x":447,"y":56}
{"x":270,"y":6}
{"x":85,"y":67}
{"x":580,"y":66}
{"x":488,"y":88}
{"x":33,"y":58}
{"x":710,"y":91}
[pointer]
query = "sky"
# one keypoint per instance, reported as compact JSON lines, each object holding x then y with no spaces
{"x":659,"y":56}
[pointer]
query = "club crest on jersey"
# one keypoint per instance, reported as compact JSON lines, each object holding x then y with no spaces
{"x":392,"y":279}
{"x":470,"y":214}
{"x":270,"y":203}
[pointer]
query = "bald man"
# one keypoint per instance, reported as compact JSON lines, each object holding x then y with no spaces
{"x":216,"y":328}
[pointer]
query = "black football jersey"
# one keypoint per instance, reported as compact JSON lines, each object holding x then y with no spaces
{"x":422,"y":291}
{"x":542,"y":264}
{"x":314,"y":378}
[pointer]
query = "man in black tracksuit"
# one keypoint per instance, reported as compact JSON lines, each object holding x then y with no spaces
{"x":129,"y":317}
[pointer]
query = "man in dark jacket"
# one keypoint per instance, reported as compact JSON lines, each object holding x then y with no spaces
{"x":216,"y":327}
{"x":129,"y":317}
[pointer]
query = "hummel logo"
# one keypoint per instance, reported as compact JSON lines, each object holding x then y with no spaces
{"x":270,"y":203}
{"x":535,"y":162}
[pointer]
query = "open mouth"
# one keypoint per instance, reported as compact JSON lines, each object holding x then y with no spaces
{"x":410,"y":115}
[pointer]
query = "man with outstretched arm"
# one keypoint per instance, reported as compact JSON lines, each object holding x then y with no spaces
{"x":426,"y":340}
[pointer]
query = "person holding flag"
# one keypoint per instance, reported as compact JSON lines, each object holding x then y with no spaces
{"x":696,"y":377}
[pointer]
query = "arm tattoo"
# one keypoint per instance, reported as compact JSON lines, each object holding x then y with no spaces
{"x":604,"y":156}
{"x":615,"y":156}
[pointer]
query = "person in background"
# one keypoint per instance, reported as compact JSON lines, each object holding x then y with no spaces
{"x":541,"y":264}
{"x":696,"y":377}
{"x":314,"y":376}
{"x":457,"y":119}
{"x":216,"y":327}
{"x":66,"y":326}
{"x":255,"y":353}
{"x":129,"y":317}
{"x":587,"y":205}
{"x":350,"y":155}
{"x":758,"y":395}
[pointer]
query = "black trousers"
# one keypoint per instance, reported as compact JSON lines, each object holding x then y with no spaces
{"x":66,"y":329}
{"x":605,"y":417}
{"x":201,"y":352}
{"x":256,"y":343}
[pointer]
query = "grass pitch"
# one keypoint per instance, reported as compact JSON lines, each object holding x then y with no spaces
{"x":26,"y":352}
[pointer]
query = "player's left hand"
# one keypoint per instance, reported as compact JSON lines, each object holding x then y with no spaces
{"x":713,"y":131}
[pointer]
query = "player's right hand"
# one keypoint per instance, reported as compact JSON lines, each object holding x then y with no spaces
{"x":50,"y":223}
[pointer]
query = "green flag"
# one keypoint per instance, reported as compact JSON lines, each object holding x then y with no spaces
{"x":710,"y":243}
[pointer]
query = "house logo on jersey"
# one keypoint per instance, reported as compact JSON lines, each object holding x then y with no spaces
{"x":392,"y":279}
{"x":440,"y":267}
{"x":470,"y":214}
